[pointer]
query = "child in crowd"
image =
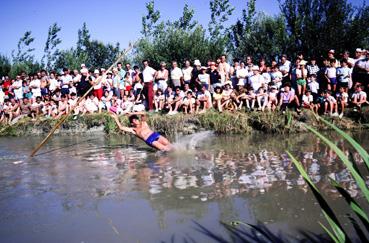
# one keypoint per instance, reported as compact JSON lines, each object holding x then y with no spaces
{"x":330,"y":104}
{"x":331,"y":75}
{"x":342,"y":100}
{"x":159,"y":100}
{"x":262,"y":99}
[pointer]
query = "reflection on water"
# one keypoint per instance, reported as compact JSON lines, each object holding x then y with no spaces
{"x":77,"y":181}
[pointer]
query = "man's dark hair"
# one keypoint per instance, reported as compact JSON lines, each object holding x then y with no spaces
{"x":145,"y":60}
{"x":132,"y":117}
{"x":119,"y":63}
{"x":65,"y":69}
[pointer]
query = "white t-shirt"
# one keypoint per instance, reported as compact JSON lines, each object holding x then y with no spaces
{"x":256,"y":81}
{"x":187,"y":73}
{"x":242,"y":73}
{"x":53,"y":84}
{"x":36,"y":91}
{"x":299,"y":73}
{"x":66,"y":80}
{"x":17,"y":87}
{"x":204,"y":78}
{"x":313,"y":86}
{"x":285,"y":66}
{"x":331,"y":72}
{"x":176,"y":73}
{"x":359,"y":95}
{"x":307,"y":99}
{"x":148,"y":74}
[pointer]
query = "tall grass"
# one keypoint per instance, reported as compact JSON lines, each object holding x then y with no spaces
{"x":335,"y":229}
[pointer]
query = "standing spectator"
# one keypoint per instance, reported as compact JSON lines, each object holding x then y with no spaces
{"x":301,"y":74}
{"x":96,"y":82}
{"x":203,"y":78}
{"x":195,"y":73}
{"x":214,"y":77}
{"x":285,"y":67}
{"x":17,"y":87}
{"x":83,"y":85}
{"x":176,"y":75}
{"x":161,"y":77}
{"x":66,"y":79}
{"x":241,"y":74}
{"x":312,"y":68}
{"x":148,"y":79}
{"x":35,"y":86}
{"x":331,"y":75}
{"x":233,"y":72}
{"x":344,"y":75}
{"x":187,"y":72}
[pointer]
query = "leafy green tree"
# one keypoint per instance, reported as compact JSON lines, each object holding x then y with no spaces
{"x":51,"y":52}
{"x":186,"y":22}
{"x":150,"y":20}
{"x":24,"y":51}
{"x":5,"y":66}
{"x":26,"y":66}
{"x":220,"y":11}
{"x":70,"y":59}
{"x":83,"y":39}
{"x":95,"y":54}
{"x":315,"y":26}
{"x":178,"y":40}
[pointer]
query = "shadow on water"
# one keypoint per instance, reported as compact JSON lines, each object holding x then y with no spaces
{"x":251,"y":233}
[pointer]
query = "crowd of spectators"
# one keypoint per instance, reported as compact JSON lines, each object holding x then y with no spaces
{"x":326,"y":86}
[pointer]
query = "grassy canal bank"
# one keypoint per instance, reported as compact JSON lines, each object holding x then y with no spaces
{"x":229,"y":123}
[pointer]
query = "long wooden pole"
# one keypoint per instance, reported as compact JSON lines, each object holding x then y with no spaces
{"x":79,"y":101}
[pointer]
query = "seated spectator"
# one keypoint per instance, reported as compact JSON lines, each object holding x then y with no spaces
{"x":159,"y":100}
{"x":203,"y":100}
{"x":359,"y":98}
{"x":331,"y":104}
{"x":288,"y":99}
{"x":262,"y":99}
{"x":342,"y":99}
{"x":188,"y":103}
{"x":217,"y":98}
{"x":272,"y":98}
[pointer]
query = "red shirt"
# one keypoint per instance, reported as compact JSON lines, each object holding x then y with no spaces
{"x":6,"y":86}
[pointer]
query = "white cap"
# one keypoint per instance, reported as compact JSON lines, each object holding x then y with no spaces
{"x":331,"y":51}
{"x":84,"y":70}
{"x":358,"y":50}
{"x":96,"y":71}
{"x":255,"y":68}
{"x":83,"y":65}
{"x":197,"y":62}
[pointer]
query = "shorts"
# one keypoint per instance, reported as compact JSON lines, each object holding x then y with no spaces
{"x":152,"y":138}
{"x":301,"y":82}
{"x":333,"y":81}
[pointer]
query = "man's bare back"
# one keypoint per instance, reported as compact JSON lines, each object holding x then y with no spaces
{"x":141,"y":129}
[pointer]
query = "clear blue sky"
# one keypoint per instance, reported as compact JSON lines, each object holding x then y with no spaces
{"x":108,"y":21}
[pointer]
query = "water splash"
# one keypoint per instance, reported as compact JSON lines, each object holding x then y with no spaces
{"x":191,"y":142}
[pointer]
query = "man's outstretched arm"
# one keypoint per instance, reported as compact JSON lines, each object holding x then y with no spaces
{"x":121,"y":127}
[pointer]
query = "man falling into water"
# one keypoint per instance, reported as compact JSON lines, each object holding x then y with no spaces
{"x":141,"y":129}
